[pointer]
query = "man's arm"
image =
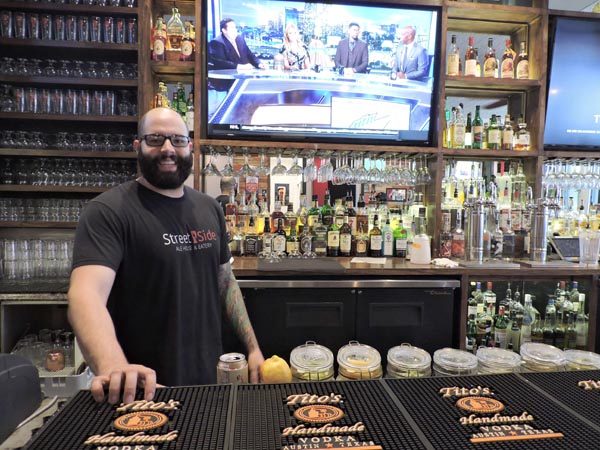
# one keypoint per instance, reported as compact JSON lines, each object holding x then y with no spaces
{"x":422,"y":67}
{"x":364,"y":60}
{"x":338,"y":55}
{"x":217,"y":57}
{"x":95,"y":331}
{"x":236,"y":312}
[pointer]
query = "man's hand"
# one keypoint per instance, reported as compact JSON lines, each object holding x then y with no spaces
{"x":247,"y":66}
{"x":255,"y":360}
{"x":401,"y":75}
{"x":124,"y":379}
{"x":262,"y":66}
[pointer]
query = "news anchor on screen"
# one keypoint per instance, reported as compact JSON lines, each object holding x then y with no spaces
{"x":411,"y":61}
{"x":352,"y":54}
{"x":230,"y":51}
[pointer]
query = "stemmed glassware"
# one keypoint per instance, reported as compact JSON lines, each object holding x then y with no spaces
{"x":262,"y":170}
{"x":279,"y":168}
{"x":228,"y":171}
{"x":295,"y":169}
{"x":310,"y":170}
{"x":210,"y":169}
{"x":246,"y":170}
{"x":325,"y":172}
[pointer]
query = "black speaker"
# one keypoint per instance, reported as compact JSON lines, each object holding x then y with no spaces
{"x":20,"y":393}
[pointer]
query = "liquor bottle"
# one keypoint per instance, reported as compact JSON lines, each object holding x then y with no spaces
{"x":276,"y":215}
{"x":320,"y":237}
{"x":251,"y":241}
{"x":471,"y":344}
{"x":522,"y":137}
{"x":292,"y":244}
{"x":346,"y":238}
{"x":447,"y":136}
{"x":362,"y":218}
{"x":375,"y":239}
{"x":181,"y":100}
{"x":549,"y":322}
{"x":313,"y":213}
{"x":333,"y":240}
{"x":507,"y":69}
{"x":291,"y":220}
{"x":327,"y":211}
{"x":490,"y":63}
{"x":459,"y":130}
{"x":362,"y":241}
{"x":574,"y":297}
{"x":507,"y":297}
{"x":560,"y":331}
{"x":350,"y":214}
{"x":339,"y":211}
{"x":570,"y":333}
{"x":400,"y":240}
{"x":471,"y":59}
{"x":175,"y":30}
{"x":231,"y":212}
{"x":478,"y":65}
{"x":445,"y":250}
{"x":453,"y":64}
{"x":493,"y":134}
{"x":472,"y":306}
{"x":522,"y":64}
{"x":187,"y":44}
{"x":581,"y":327}
{"x":507,"y":134}
{"x":458,"y":239}
{"x":513,"y":338}
{"x":236,"y":245}
{"x":159,"y":41}
{"x":469,"y":132}
{"x":279,"y":239}
{"x":477,"y":129}
{"x":388,"y":239}
{"x":266,"y":239}
{"x":189,"y":113}
{"x":501,"y":328}
{"x":528,"y":319}
{"x":478,"y":296}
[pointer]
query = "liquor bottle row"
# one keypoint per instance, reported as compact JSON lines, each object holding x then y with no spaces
{"x":179,"y":103}
{"x":474,"y":132}
{"x":511,"y":65}
{"x":173,"y":36}
{"x":58,"y":27}
{"x":339,"y":230}
{"x":68,"y":101}
{"x":510,"y":323}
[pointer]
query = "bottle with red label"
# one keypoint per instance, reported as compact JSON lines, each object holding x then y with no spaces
{"x":159,"y":41}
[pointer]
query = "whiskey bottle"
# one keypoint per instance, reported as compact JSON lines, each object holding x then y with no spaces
{"x":313,"y":213}
{"x":507,"y":134}
{"x":508,"y":58}
{"x":471,"y":59}
{"x":251,"y":241}
{"x":453,"y":65}
{"x":388,"y":239}
{"x":333,"y":240}
{"x":327,"y":211}
{"x":351,"y":214}
{"x":292,"y":245}
{"x":362,"y":242}
{"x":266,"y":239}
{"x":469,"y":132}
{"x":522,"y":64}
{"x":477,"y":129}
{"x":279,"y":239}
{"x":549,"y":322}
{"x":522,"y":137}
{"x":458,"y":239}
{"x":159,"y":41}
{"x":493,"y":134}
{"x":375,"y":239}
{"x":320,"y":238}
{"x":490,"y":63}
{"x":306,"y":238}
{"x":276,"y":215}
{"x":445,"y":250}
{"x":346,"y":238}
{"x":175,"y":30}
{"x":187,"y":44}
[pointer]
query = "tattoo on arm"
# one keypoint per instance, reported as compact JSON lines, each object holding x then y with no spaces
{"x":235,"y":308}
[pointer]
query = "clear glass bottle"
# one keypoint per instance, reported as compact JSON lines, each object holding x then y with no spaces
{"x":453,"y":62}
{"x":490,"y":63}
{"x":522,"y":140}
{"x":458,"y":238}
{"x":507,"y":134}
{"x":549,"y":321}
{"x":375,"y":239}
{"x":471,"y":59}
{"x":175,"y":30}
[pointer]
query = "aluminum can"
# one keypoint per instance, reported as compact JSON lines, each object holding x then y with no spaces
{"x":232,"y":369}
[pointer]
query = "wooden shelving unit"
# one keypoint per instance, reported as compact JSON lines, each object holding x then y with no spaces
{"x":57,"y":189}
{"x":67,"y":117}
{"x":67,"y":225}
{"x":60,"y":81}
{"x":49,"y":153}
{"x":39,"y":43}
{"x":69,"y":8}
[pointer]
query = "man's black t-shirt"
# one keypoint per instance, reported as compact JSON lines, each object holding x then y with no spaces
{"x":166,"y":253}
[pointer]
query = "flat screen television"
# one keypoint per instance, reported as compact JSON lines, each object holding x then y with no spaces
{"x":573,"y":106}
{"x":321,"y":71}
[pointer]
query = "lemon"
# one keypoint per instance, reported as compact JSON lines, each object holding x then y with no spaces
{"x":275,"y":370}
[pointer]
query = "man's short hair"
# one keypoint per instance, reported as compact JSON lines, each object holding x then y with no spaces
{"x":224,"y":22}
{"x":141,"y":131}
{"x":228,"y":184}
{"x":353,"y":24}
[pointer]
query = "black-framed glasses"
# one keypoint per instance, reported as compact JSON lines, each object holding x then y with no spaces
{"x":157,"y":140}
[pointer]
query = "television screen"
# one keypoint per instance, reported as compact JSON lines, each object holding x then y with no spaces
{"x":321,"y":70}
{"x":573,"y":107}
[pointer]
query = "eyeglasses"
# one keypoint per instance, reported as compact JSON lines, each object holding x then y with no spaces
{"x":157,"y":140}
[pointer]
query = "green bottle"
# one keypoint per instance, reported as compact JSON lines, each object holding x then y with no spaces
{"x":477,"y":129}
{"x":501,"y":328}
{"x":400,"y":240}
{"x":327,"y":211}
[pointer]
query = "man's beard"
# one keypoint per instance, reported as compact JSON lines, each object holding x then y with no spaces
{"x":149,"y":167}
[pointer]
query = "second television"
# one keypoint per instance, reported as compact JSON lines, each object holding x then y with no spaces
{"x":321,"y":70}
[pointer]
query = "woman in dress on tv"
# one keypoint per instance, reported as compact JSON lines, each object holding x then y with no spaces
{"x":294,"y":52}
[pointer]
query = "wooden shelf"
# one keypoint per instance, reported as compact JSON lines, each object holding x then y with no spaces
{"x":571,"y":154}
{"x":492,"y":13}
{"x":67,"y":118}
{"x":66,"y":189}
{"x":173,"y":67}
{"x":61,"y":81}
{"x":36,"y":43}
{"x":67,"y":8}
{"x":487,"y":153}
{"x":38,"y":224}
{"x":574,"y":14}
{"x":492,"y":84}
{"x":65,"y":153}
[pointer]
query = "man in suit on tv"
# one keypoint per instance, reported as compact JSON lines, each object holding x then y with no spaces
{"x":352,"y":54}
{"x":230,"y":51}
{"x":411,"y":60}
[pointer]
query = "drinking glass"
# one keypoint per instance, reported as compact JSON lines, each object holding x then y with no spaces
{"x":210,"y":169}
{"x":110,"y":103}
{"x":85,"y":102}
{"x":57,"y":101}
{"x":95,"y":28}
{"x":35,"y":67}
{"x":83,"y":28}
{"x":22,"y":67}
{"x":50,"y":69}
{"x":7,"y":66}
{"x":78,"y":70}
{"x":105,"y":70}
{"x":64,"y":70}
{"x":71,"y":102}
{"x":20,"y":28}
{"x":132,"y":30}
{"x":115,"y":2}
{"x":228,"y":171}
{"x":59,"y":28}
{"x":98,"y":103}
{"x":119,"y":71}
{"x":119,"y":35}
{"x":295,"y":169}
{"x":91,"y":70}
{"x":310,"y":170}
{"x":325,"y":172}
{"x":71,"y":28}
{"x":33,"y":21}
{"x":46,"y":26}
{"x":246,"y":170}
{"x":32,"y":100}
{"x":6,"y":24}
{"x":19,"y":98}
{"x":108,"y":30}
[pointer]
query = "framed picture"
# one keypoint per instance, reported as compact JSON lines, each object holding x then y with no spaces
{"x":396,"y":195}
{"x":282,"y":193}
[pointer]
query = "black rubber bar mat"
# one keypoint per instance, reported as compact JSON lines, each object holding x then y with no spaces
{"x":578,"y":390}
{"x":262,"y":415}
{"x":523,"y":412}
{"x":200,"y":421}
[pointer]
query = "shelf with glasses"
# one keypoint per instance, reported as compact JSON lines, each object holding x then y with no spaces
{"x":20,"y":152}
{"x":488,"y":153}
{"x":496,"y":13}
{"x":67,"y":225}
{"x":492,"y":84}
{"x":67,"y":117}
{"x":37,"y":43}
{"x":38,"y":188}
{"x":65,"y":81}
{"x":173,"y":67}
{"x":69,"y":8}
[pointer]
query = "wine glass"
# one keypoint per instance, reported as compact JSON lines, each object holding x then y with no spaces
{"x":210,"y":169}
{"x":325,"y":172}
{"x":279,"y":168}
{"x":310,"y":170}
{"x":296,"y":168}
{"x":262,"y":170}
{"x":228,"y":171}
{"x":246,"y":170}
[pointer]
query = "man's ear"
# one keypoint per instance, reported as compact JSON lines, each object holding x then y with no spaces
{"x":137,"y":145}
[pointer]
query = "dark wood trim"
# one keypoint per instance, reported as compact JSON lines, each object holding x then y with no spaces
{"x":20,"y":152}
{"x":61,"y":81}
{"x":487,"y":153}
{"x":571,"y":154}
{"x":38,"y":224}
{"x":493,"y":13}
{"x":31,"y":188}
{"x":68,"y":8}
{"x":499,"y":84}
{"x":463,"y":308}
{"x":173,"y":67}
{"x":67,"y":118}
{"x":593,"y":312}
{"x":574,"y":14}
{"x":12,"y":42}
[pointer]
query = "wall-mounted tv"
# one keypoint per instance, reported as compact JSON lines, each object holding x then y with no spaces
{"x":573,"y":107}
{"x":321,"y":71}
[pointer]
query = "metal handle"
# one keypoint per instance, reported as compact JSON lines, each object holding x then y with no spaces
{"x":352,"y":284}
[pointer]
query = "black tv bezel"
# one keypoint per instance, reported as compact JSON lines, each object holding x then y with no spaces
{"x":432,"y":137}
{"x":552,"y":26}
